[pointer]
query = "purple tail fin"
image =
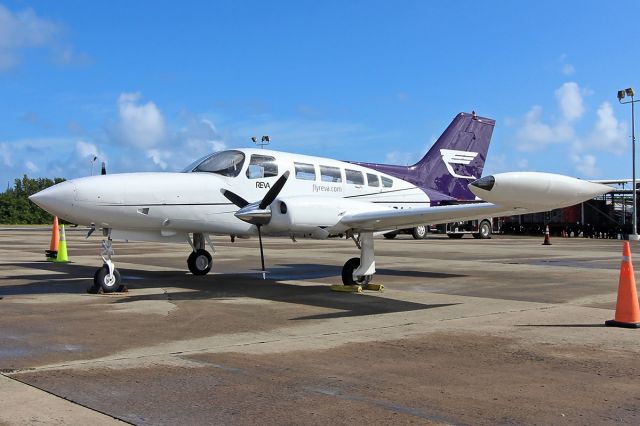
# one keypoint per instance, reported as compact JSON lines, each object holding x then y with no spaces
{"x":455,"y":160}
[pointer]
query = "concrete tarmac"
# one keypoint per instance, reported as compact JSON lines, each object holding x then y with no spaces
{"x":467,"y":331}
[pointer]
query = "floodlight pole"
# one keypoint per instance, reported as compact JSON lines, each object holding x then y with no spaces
{"x":634,"y":227}
{"x":633,"y":153}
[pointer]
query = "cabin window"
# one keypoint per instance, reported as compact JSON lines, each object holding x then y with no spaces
{"x":225,"y":163}
{"x":386,"y":182}
{"x":262,"y":166}
{"x":373,"y":180}
{"x":330,"y":174}
{"x":305,"y":171}
{"x":354,"y":177}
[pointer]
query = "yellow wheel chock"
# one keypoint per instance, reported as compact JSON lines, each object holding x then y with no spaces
{"x":374,"y":287}
{"x":347,"y":288}
{"x":357,"y":288}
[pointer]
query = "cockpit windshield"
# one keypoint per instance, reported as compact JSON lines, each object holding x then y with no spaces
{"x":225,"y":163}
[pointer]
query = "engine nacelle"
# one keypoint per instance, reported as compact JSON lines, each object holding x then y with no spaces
{"x":317,"y":217}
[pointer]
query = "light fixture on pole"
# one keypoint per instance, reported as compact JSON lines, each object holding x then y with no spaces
{"x":621,"y":95}
{"x":264,"y":141}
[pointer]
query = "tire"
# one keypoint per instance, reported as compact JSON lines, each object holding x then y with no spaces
{"x":107,"y":284}
{"x":347,"y":271}
{"x":419,"y":232}
{"x":484,"y":230}
{"x":455,"y":236}
{"x":390,"y":235}
{"x":199,"y":262}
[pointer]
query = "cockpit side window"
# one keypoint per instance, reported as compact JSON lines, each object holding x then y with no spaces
{"x":262,"y":166}
{"x":193,"y":165}
{"x":225,"y":163}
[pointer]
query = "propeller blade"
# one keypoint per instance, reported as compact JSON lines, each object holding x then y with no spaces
{"x":274,"y":191}
{"x":264,"y":275}
{"x":234,"y":198}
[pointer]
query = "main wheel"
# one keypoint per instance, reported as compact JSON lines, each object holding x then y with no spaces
{"x":484,"y":230}
{"x":199,"y":262}
{"x":419,"y":232}
{"x":390,"y":235}
{"x":347,"y":271}
{"x":108,"y":283}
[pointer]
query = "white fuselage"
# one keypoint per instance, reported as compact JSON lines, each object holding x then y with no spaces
{"x":192,"y":201}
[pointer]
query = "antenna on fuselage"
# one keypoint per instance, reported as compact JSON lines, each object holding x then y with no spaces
{"x":264,"y":141}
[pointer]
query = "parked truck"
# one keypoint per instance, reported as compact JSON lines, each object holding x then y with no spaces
{"x":478,"y":228}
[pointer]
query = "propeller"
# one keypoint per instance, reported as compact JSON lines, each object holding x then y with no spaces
{"x":257,"y":213}
{"x":234,"y":198}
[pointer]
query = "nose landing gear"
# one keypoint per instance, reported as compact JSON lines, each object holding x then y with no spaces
{"x":107,"y":278}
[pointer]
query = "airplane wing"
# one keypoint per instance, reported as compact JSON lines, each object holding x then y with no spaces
{"x":381,"y":220}
{"x":505,"y":194}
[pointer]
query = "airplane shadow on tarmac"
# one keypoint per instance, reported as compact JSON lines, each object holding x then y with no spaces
{"x":75,"y":279}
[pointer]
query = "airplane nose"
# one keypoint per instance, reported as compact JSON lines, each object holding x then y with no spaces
{"x":56,"y":199}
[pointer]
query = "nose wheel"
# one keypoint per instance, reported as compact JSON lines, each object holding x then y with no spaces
{"x":107,"y":278}
{"x":108,"y":281}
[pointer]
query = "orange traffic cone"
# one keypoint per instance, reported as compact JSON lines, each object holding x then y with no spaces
{"x":547,"y":241}
{"x":52,"y":253}
{"x":627,"y":308}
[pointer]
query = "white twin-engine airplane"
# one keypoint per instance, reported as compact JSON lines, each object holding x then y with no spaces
{"x":248,"y":192}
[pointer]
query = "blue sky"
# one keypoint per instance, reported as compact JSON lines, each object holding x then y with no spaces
{"x":153,"y":85}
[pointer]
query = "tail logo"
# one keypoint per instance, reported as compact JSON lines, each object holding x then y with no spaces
{"x":452,"y":156}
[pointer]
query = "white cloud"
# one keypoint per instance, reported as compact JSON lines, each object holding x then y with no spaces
{"x":86,"y":150}
{"x":523,"y":164}
{"x":568,"y":69}
{"x":609,"y":134}
{"x":31,"y":167}
{"x":159,"y":156}
{"x":23,"y":30}
{"x":534,"y":133}
{"x":5,"y":155}
{"x":140,"y":125}
{"x":398,"y":157}
{"x":585,"y":164}
{"x":66,"y":55}
{"x":570,"y":101}
{"x":565,"y":67}
{"x":606,"y":134}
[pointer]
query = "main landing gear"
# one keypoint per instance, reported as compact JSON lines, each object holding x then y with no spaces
{"x":107,"y":279}
{"x":358,"y":272}
{"x":199,"y":261}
